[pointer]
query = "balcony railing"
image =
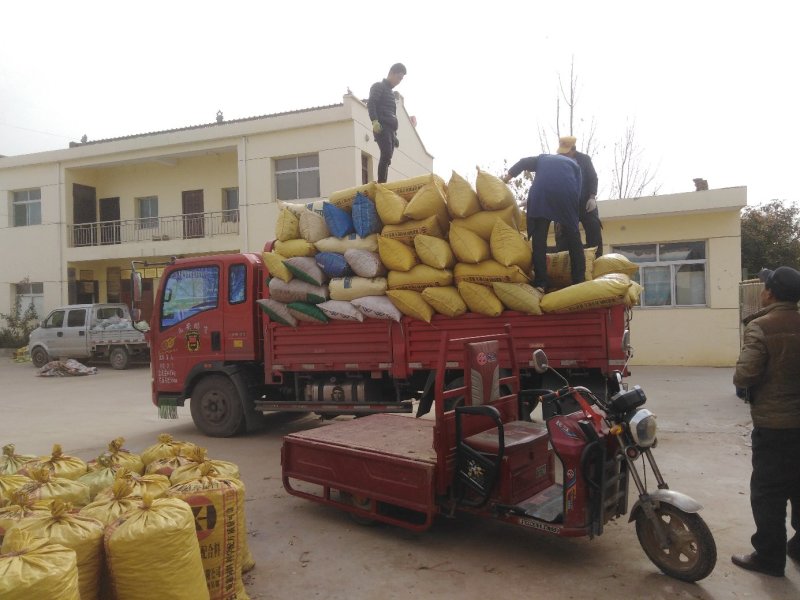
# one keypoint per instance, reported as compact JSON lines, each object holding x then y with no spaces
{"x":155,"y":229}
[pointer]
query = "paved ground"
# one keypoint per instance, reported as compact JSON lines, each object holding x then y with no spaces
{"x":304,"y":550}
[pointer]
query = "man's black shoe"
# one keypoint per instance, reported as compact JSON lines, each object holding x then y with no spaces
{"x":793,"y":552}
{"x":752,"y":562}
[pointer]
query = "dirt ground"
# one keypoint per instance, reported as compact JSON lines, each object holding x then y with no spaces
{"x":305,"y":550}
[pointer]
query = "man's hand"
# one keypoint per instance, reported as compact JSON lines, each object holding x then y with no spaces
{"x":376,"y":126}
{"x":506,"y":178}
{"x":591,"y":204}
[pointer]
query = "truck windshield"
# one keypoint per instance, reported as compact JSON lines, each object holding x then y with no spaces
{"x":188,"y":292}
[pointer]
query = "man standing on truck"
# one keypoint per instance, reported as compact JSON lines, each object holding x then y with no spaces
{"x":553,"y":197}
{"x":588,"y":214}
{"x":382,"y":108}
{"x":767,"y":368}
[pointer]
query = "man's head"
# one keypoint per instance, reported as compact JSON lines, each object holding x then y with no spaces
{"x":782,"y":285}
{"x":566,"y":145}
{"x":396,"y":74}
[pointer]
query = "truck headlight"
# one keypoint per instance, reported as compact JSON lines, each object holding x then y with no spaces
{"x":642,"y":426}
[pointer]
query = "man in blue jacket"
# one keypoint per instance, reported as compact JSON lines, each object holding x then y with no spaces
{"x":552,"y":197}
{"x":382,"y":108}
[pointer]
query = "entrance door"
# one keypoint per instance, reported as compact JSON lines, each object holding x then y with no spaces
{"x":193,"y":226}
{"x":84,"y":215}
{"x":109,"y":221}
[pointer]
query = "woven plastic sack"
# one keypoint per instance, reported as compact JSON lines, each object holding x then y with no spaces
{"x":419,"y":278}
{"x":35,"y":569}
{"x":20,"y":507}
{"x":341,"y":310}
{"x":78,"y":532}
{"x":509,"y":248}
{"x":344,"y":198}
{"x":45,"y":486}
{"x":339,"y":222}
{"x":559,"y":270}
{"x":377,"y":307}
{"x":607,"y":290}
{"x":634,"y":294}
{"x":613,"y":263}
{"x":275,"y":266}
{"x":412,"y":304}
{"x":468,"y":246}
{"x":108,"y":508}
{"x":313,"y":227}
{"x":480,"y":299}
{"x":302,"y":311}
{"x":10,"y":461}
{"x":365,"y":216}
{"x":333,"y":264}
{"x":292,"y":248}
{"x":121,"y":457}
{"x":342,"y":245}
{"x":153,"y":484}
{"x":518,"y":296}
{"x":445,"y":300}
{"x":434,"y":252}
{"x":199,"y":460}
{"x":487,"y":272}
{"x":395,"y":255}
{"x":406,"y":188}
{"x":287,"y":226}
{"x":10,"y":484}
{"x":483,"y":222}
{"x":154,"y":547}
{"x":102,"y":476}
{"x":389,"y":205}
{"x":405,"y":232}
{"x":349,"y":288}
{"x":165,"y":446}
{"x":297,"y":291}
{"x":166,"y":465}
{"x":305,"y":268}
{"x":365,"y":263}
{"x":58,"y":463}
{"x":493,"y":193}
{"x":277,"y":311}
{"x":462,"y":201}
{"x":429,"y":201}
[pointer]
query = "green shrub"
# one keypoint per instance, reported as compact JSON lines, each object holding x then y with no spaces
{"x":19,"y":324}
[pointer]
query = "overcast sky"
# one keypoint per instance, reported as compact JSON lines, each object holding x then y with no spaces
{"x":711,"y":86}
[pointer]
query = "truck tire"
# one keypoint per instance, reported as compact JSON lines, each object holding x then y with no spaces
{"x":39,"y":357}
{"x":216,"y":407}
{"x":119,"y":358}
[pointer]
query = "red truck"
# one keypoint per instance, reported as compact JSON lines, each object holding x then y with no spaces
{"x":211,"y":343}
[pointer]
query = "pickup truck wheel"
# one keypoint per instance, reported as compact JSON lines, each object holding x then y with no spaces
{"x":216,"y":407}
{"x":119,"y":358}
{"x":39,"y":357}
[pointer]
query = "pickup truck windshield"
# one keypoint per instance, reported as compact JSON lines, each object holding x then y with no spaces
{"x":188,"y":292}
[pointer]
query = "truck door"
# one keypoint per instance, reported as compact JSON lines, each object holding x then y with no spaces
{"x":239,"y":335}
{"x":73,"y":339}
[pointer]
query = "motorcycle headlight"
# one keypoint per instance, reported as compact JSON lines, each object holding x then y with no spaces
{"x":642,"y":426}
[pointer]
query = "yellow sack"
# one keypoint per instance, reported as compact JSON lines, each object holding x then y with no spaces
{"x":468,"y":246}
{"x":389,"y":205}
{"x":199,"y":457}
{"x":634,"y":294}
{"x":395,"y":255}
{"x":350,"y":288}
{"x":80,"y":533}
{"x":405,"y":232}
{"x":313,"y":227}
{"x":20,"y":507}
{"x":35,"y":569}
{"x":509,"y":247}
{"x":419,"y":278}
{"x":406,"y":188}
{"x":45,"y":486}
{"x":487,"y":272}
{"x":344,"y":198}
{"x":429,"y":201}
{"x":480,"y":299}
{"x":59,"y":464}
{"x":10,"y":462}
{"x":120,"y":457}
{"x":559,"y":268}
{"x":102,"y":476}
{"x":598,"y":293}
{"x":483,"y":222}
{"x":164,"y":447}
{"x":154,"y":547}
{"x":411,"y":304}
{"x":445,"y":300}
{"x":349,"y":242}
{"x":153,"y":484}
{"x":10,"y":484}
{"x":275,"y":266}
{"x":287,"y":226}
{"x":292,"y":248}
{"x":167,"y":464}
{"x":462,"y":201}
{"x":434,"y":252}
{"x":109,"y":509}
{"x":493,"y":194}
{"x":518,"y":296}
{"x":613,"y":263}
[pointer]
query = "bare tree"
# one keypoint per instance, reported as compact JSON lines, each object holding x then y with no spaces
{"x":629,"y":175}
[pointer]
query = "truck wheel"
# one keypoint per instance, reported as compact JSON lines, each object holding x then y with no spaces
{"x":39,"y":357}
{"x":119,"y":358}
{"x":216,"y":407}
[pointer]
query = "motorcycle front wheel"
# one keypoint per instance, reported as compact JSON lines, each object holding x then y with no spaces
{"x":690,"y":554}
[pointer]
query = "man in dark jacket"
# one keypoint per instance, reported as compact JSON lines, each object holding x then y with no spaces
{"x":382,"y":108}
{"x":768,"y":368}
{"x":553,"y":197}
{"x":589,"y":214}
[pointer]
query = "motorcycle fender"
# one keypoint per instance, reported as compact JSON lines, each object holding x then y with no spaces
{"x":676,"y":499}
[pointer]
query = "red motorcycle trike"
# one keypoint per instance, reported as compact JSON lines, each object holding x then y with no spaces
{"x":484,"y":455}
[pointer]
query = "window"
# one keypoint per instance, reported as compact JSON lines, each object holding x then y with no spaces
{"x":31,"y":294}
{"x":76,"y":318}
{"x":188,"y":292}
{"x":673,"y":274}
{"x":297,"y":177}
{"x":366,"y":170}
{"x":237,"y":284}
{"x":147,"y":208}
{"x":230,"y":205}
{"x":55,"y":320}
{"x":27,"y":207}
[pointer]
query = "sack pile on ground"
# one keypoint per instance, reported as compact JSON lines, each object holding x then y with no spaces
{"x":167,"y":523}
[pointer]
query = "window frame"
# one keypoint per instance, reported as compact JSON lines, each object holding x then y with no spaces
{"x":17,"y":204}
{"x":148,"y":222}
{"x":30,"y":292}
{"x":230,"y":215}
{"x":297,"y":170}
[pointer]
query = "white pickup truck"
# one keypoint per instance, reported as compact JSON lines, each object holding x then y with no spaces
{"x":89,"y":331}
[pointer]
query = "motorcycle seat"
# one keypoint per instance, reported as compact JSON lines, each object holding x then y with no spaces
{"x":517,"y":435}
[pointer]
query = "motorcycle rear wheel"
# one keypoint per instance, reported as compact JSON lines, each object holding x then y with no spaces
{"x":690,"y":554}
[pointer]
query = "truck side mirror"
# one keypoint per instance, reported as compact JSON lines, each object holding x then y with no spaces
{"x":136,"y":286}
{"x":540,"y":364}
